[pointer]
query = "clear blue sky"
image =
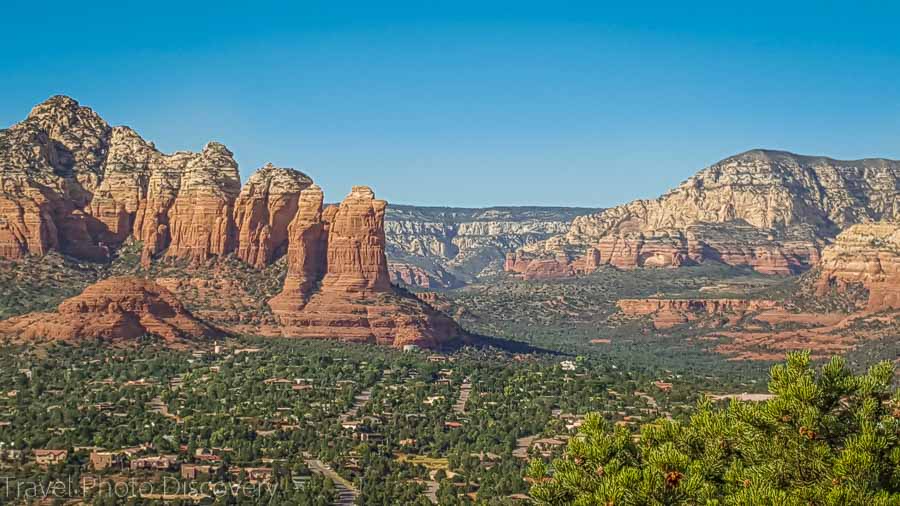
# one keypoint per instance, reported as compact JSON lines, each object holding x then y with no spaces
{"x":471,"y":103}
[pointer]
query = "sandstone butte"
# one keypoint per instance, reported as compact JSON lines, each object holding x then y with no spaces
{"x":115,"y":309}
{"x":70,"y":182}
{"x":868,"y":255}
{"x":770,"y":210}
{"x":337,"y":285}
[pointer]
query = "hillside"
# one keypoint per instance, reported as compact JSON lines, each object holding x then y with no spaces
{"x":770,"y":210}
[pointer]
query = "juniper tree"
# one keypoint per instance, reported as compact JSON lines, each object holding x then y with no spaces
{"x":827,"y":437}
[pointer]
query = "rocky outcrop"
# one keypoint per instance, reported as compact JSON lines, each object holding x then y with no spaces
{"x":770,"y":210}
{"x":72,"y":183}
{"x":264,"y":210}
{"x":306,"y":255}
{"x":117,"y":308}
{"x":439,"y":247}
{"x":866,"y":255}
{"x":346,"y":293}
{"x":667,"y":313}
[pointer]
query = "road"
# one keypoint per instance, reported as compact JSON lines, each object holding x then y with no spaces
{"x":347,"y":493}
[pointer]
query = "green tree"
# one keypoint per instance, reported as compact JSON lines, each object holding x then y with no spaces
{"x":826,"y":437}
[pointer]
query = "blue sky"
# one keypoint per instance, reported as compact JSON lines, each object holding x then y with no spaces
{"x":471,"y":103}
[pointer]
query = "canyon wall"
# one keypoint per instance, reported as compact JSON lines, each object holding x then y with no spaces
{"x":444,"y":247}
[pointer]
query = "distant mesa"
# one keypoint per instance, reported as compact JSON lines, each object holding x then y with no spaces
{"x":117,"y":309}
{"x":772,"y":211}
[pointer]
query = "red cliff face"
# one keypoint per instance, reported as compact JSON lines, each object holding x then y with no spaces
{"x":868,"y":255}
{"x":345,"y":293}
{"x":667,"y":313}
{"x":71,"y":183}
{"x":306,"y":255}
{"x":734,"y":244}
{"x":264,"y":209}
{"x":113,"y":309}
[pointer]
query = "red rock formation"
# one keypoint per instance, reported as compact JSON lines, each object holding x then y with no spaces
{"x":541,"y":268}
{"x":117,"y":308}
{"x":306,"y":255}
{"x":411,"y":275}
{"x":264,"y":210}
{"x":200,"y":220}
{"x":868,"y":255}
{"x":346,"y":294}
{"x":71,"y":183}
{"x":667,"y":313}
{"x":733,"y":244}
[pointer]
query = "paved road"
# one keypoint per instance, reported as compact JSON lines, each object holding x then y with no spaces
{"x":347,"y":493}
{"x":464,"y":390}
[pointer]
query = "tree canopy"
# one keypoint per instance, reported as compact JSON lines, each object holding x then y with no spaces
{"x":826,"y":437}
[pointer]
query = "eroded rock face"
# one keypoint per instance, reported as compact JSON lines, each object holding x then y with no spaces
{"x":264,"y":209}
{"x":346,"y":293}
{"x":667,"y":313}
{"x":306,"y":255}
{"x":71,"y":183}
{"x":117,"y":308}
{"x":868,"y":255}
{"x":770,"y":210}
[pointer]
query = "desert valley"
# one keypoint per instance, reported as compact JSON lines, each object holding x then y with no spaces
{"x":164,"y":322}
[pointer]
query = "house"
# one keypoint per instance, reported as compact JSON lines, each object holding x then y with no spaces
{"x":453,"y":425}
{"x":411,"y":347}
{"x":50,"y":457}
{"x":568,"y":365}
{"x":193,"y":471}
{"x":663,"y":386}
{"x":254,"y":475}
{"x":100,"y":461}
{"x":158,"y":463}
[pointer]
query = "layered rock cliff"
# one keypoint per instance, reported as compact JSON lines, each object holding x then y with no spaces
{"x":667,"y":313}
{"x":438,"y":247}
{"x":866,"y":255}
{"x":338,"y":284}
{"x":264,"y":210}
{"x":117,"y":308}
{"x":771,"y":210}
{"x":70,"y":182}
